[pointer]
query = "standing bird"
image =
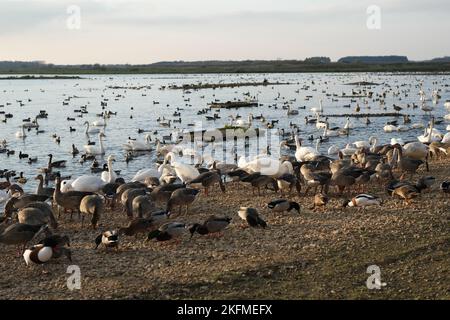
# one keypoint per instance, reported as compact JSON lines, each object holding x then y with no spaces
{"x":110,"y":239}
{"x":181,"y":197}
{"x":91,"y":205}
{"x":407,"y":192}
{"x":252,"y":217}
{"x":212,"y":225}
{"x":282,"y":205}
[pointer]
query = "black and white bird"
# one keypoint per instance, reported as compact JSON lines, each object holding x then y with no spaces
{"x":282,"y":205}
{"x":252,"y":217}
{"x":362,"y":200}
{"x":212,"y":225}
{"x":168,"y":231}
{"x":40,"y":253}
{"x":445,"y":186}
{"x":110,"y":239}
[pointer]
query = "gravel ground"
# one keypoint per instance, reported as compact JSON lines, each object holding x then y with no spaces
{"x":320,"y":254}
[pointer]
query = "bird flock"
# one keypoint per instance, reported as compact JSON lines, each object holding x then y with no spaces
{"x":184,"y":171}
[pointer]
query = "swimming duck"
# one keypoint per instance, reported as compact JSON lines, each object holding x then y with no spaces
{"x":252,"y":217}
{"x":281,"y":205}
{"x":110,"y":239}
{"x":212,"y":225}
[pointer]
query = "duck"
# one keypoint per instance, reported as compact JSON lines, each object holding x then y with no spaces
{"x":93,"y":150}
{"x":407,"y":192}
{"x":109,"y":239}
{"x":362,"y":200}
{"x":40,"y":253}
{"x":212,"y":225}
{"x":136,"y":227}
{"x":252,"y":217}
{"x":282,"y":205}
{"x":445,"y":186}
{"x":168,"y":231}
{"x":320,"y":200}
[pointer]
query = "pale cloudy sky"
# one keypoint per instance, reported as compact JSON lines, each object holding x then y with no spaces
{"x":145,"y":31}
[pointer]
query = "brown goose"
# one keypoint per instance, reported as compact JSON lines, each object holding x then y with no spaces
{"x":20,"y":202}
{"x":207,"y":179}
{"x":37,"y":213}
{"x":128,"y":197}
{"x":182,"y":197}
{"x":142,"y":205}
{"x":406,"y":165}
{"x":41,"y":190}
{"x":263,"y":181}
{"x":20,"y":234}
{"x":91,"y":205}
{"x":162,"y":194}
{"x":69,"y":200}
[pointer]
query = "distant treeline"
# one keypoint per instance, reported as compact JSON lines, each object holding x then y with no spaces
{"x":313,"y":64}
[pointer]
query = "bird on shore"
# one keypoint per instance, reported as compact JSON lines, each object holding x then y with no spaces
{"x":252,"y":217}
{"x":109,"y":239}
{"x":282,"y":205}
{"x":212,"y":225}
{"x":362,"y":200}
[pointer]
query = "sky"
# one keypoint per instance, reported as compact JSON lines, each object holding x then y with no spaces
{"x":146,"y":31}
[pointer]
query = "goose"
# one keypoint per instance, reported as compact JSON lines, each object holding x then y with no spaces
{"x":305,"y":153}
{"x":207,"y":179}
{"x":55,"y":164}
{"x":69,"y":200}
{"x":252,"y":217}
{"x":329,"y":132}
{"x":90,"y":130}
{"x":109,"y":239}
{"x":363,"y":200}
{"x":142,"y":205}
{"x":287,"y":182}
{"x":37,"y":213}
{"x":282,"y":205}
{"x":182,"y":197}
{"x":213,"y":224}
{"x":168,"y":231}
{"x":183,"y":171}
{"x":41,"y":190}
{"x":109,"y":176}
{"x":133,"y":145}
{"x":91,"y":205}
{"x":21,"y":234}
{"x":21,"y":134}
{"x":406,"y":164}
{"x":93,"y":150}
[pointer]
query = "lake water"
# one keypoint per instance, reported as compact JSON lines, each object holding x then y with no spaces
{"x":49,"y":95}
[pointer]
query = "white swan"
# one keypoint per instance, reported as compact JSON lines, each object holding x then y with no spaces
{"x":305,"y":153}
{"x":21,"y":133}
{"x":242,"y":123}
{"x":89,"y":129}
{"x":348,"y":150}
{"x":87,"y":183}
{"x":142,"y":174}
{"x":389,"y":128}
{"x":395,"y":141}
{"x":364,"y":143}
{"x":94,"y":150}
{"x":319,"y":109}
{"x":133,"y":145}
{"x":99,"y":123}
{"x":446,"y":138}
{"x":333,"y":150}
{"x":415,"y":150}
{"x":109,"y":176}
{"x":430,"y":134}
{"x":185,"y":172}
{"x":66,"y":185}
